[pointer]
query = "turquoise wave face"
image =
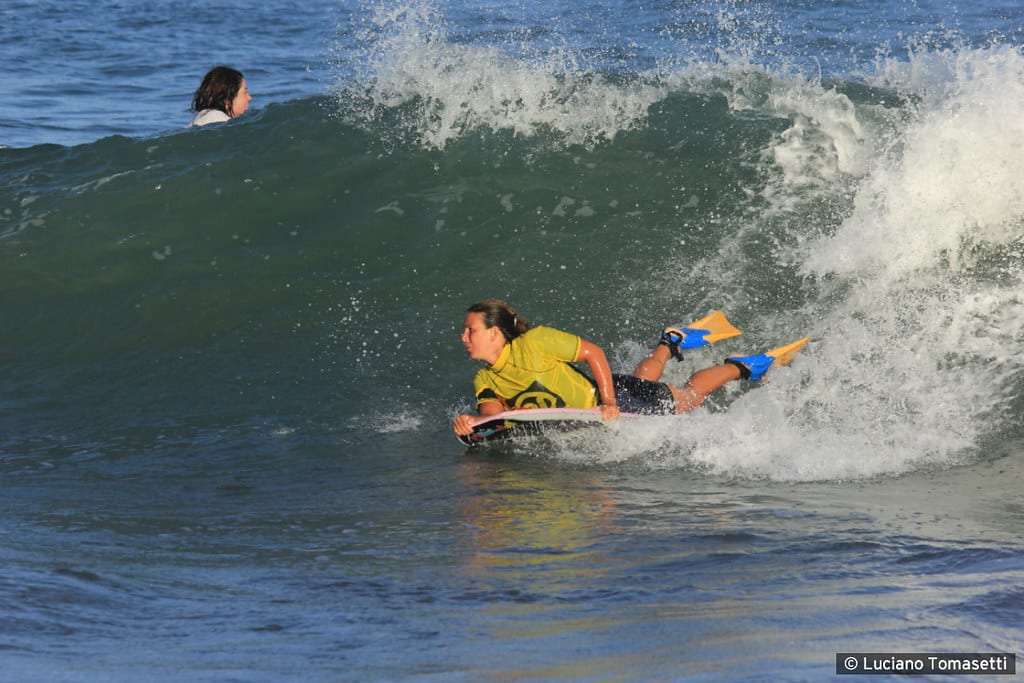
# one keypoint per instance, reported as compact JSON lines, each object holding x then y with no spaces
{"x":315,"y":259}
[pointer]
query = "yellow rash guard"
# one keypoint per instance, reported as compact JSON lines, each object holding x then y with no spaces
{"x":533,"y":371}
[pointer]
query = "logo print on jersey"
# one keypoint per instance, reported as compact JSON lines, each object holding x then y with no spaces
{"x":537,"y":396}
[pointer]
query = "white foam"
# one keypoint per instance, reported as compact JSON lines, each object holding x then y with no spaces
{"x":919,"y":316}
{"x":957,"y":176}
{"x":391,"y":422}
{"x":454,"y":88}
{"x":916,"y":312}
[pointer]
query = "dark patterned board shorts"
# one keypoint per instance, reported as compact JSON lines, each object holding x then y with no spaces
{"x":641,"y":396}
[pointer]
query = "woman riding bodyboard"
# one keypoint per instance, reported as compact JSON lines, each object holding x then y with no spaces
{"x":531,"y":368}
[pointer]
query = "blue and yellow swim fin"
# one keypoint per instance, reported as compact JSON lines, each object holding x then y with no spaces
{"x":708,"y":330}
{"x":754,"y":367}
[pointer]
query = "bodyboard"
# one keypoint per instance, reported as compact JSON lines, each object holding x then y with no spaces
{"x":532,"y":422}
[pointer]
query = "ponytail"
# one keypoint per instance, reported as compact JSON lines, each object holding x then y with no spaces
{"x":499,"y":314}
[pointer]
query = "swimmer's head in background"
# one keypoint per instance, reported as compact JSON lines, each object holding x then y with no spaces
{"x":223,"y":89}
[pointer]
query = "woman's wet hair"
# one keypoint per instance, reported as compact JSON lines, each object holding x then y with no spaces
{"x":499,"y":314}
{"x":219,"y":88}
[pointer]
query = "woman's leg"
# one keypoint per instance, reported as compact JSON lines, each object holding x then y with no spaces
{"x":697,"y":388}
{"x":702,"y":383}
{"x":652,"y":367}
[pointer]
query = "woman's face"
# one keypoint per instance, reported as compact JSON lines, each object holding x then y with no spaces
{"x":237,"y":106}
{"x":482,"y":342}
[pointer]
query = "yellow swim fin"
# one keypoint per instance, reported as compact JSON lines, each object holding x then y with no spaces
{"x":715,"y":326}
{"x":784,"y":354}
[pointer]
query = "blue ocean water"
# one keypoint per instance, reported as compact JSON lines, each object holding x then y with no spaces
{"x":231,"y":354}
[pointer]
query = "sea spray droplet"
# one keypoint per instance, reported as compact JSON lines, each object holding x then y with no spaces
{"x":563,"y":204}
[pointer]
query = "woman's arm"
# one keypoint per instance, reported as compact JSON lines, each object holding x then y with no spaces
{"x":463,"y":424}
{"x":594,"y":357}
